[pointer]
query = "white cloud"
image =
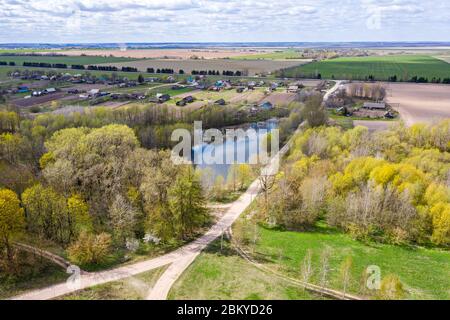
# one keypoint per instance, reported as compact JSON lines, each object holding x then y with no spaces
{"x":221,"y":20}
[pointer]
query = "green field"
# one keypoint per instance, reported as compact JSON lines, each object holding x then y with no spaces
{"x":222,"y":275}
{"x":69,"y":60}
{"x":276,"y":55}
{"x":381,"y":67}
{"x":425,"y":273}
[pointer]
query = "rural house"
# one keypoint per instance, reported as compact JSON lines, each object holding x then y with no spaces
{"x":374,"y":105}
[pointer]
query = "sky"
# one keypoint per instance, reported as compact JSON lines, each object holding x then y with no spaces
{"x":93,"y":21}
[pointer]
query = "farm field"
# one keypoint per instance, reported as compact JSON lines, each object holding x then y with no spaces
{"x":381,"y":67}
{"x":420,"y":102}
{"x":446,"y":58}
{"x":69,"y":60}
{"x":211,"y":53}
{"x":275,"y":55}
{"x":251,"y":67}
{"x":217,"y":275}
{"x":223,"y":275}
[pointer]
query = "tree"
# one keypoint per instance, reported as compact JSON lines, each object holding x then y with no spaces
{"x":12,"y":220}
{"x":123,"y":219}
{"x":233,"y":176}
{"x":306,"y":268}
{"x":324,"y":267}
{"x":346,"y":272}
{"x":80,"y":220}
{"x":141,"y":78}
{"x":187,"y":204}
{"x":391,"y":288}
{"x":314,"y":111}
{"x":47,"y":213}
{"x":218,"y":191}
{"x":90,"y":248}
{"x":244,"y":175}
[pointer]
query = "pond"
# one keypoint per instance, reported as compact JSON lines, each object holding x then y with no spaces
{"x":238,"y":150}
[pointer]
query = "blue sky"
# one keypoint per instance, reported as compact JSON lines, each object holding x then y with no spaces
{"x":223,"y":20}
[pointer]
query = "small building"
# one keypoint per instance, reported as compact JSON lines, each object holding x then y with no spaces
{"x":293,"y":89}
{"x":93,"y":92}
{"x":22,"y":89}
{"x":189,"y":99}
{"x":162,"y":98}
{"x":220,"y":102}
{"x":374,"y":105}
{"x":181,"y":103}
{"x":49,"y":90}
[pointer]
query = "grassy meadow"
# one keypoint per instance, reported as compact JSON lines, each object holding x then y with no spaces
{"x":216,"y":274}
{"x":223,"y":275}
{"x":69,"y":60}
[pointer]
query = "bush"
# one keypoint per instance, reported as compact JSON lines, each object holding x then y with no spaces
{"x":391,"y":288}
{"x":90,"y":248}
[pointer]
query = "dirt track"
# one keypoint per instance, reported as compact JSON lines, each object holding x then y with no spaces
{"x":420,"y":102}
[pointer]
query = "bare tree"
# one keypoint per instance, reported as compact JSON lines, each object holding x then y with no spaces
{"x":324,"y":267}
{"x":346,"y":269}
{"x":306,"y":268}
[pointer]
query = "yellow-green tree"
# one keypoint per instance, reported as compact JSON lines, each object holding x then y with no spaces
{"x":244,"y":174}
{"x":12,"y":220}
{"x":391,"y":288}
{"x":79,"y":217}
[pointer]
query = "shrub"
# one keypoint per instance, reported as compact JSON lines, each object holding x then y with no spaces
{"x":90,"y":248}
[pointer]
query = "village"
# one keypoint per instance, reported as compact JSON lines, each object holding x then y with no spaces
{"x":40,"y":92}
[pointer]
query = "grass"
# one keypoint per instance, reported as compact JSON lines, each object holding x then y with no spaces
{"x":36,"y":273}
{"x":424,"y":272}
{"x":168,"y":90}
{"x":133,"y":288}
{"x":381,"y":67}
{"x":69,"y":60}
{"x":276,"y":55}
{"x":222,"y":275}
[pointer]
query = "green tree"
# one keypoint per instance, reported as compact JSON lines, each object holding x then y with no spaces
{"x":12,"y":220}
{"x":79,"y":217}
{"x":187,"y":203}
{"x":47,"y":213}
{"x":314,"y":111}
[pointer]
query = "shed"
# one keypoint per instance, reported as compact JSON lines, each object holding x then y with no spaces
{"x":220,"y":102}
{"x":374,"y":105}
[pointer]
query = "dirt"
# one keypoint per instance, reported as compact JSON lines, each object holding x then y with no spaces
{"x":170,"y":53}
{"x":248,"y":67}
{"x":280,"y":98}
{"x":33,"y":101}
{"x":420,"y":102}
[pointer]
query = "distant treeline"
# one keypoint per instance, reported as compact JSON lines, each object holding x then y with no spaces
{"x":4,"y":63}
{"x":217,"y":73}
{"x":166,"y":71}
{"x":74,"y":66}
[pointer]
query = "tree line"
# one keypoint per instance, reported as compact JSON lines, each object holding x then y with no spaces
{"x":391,"y":186}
